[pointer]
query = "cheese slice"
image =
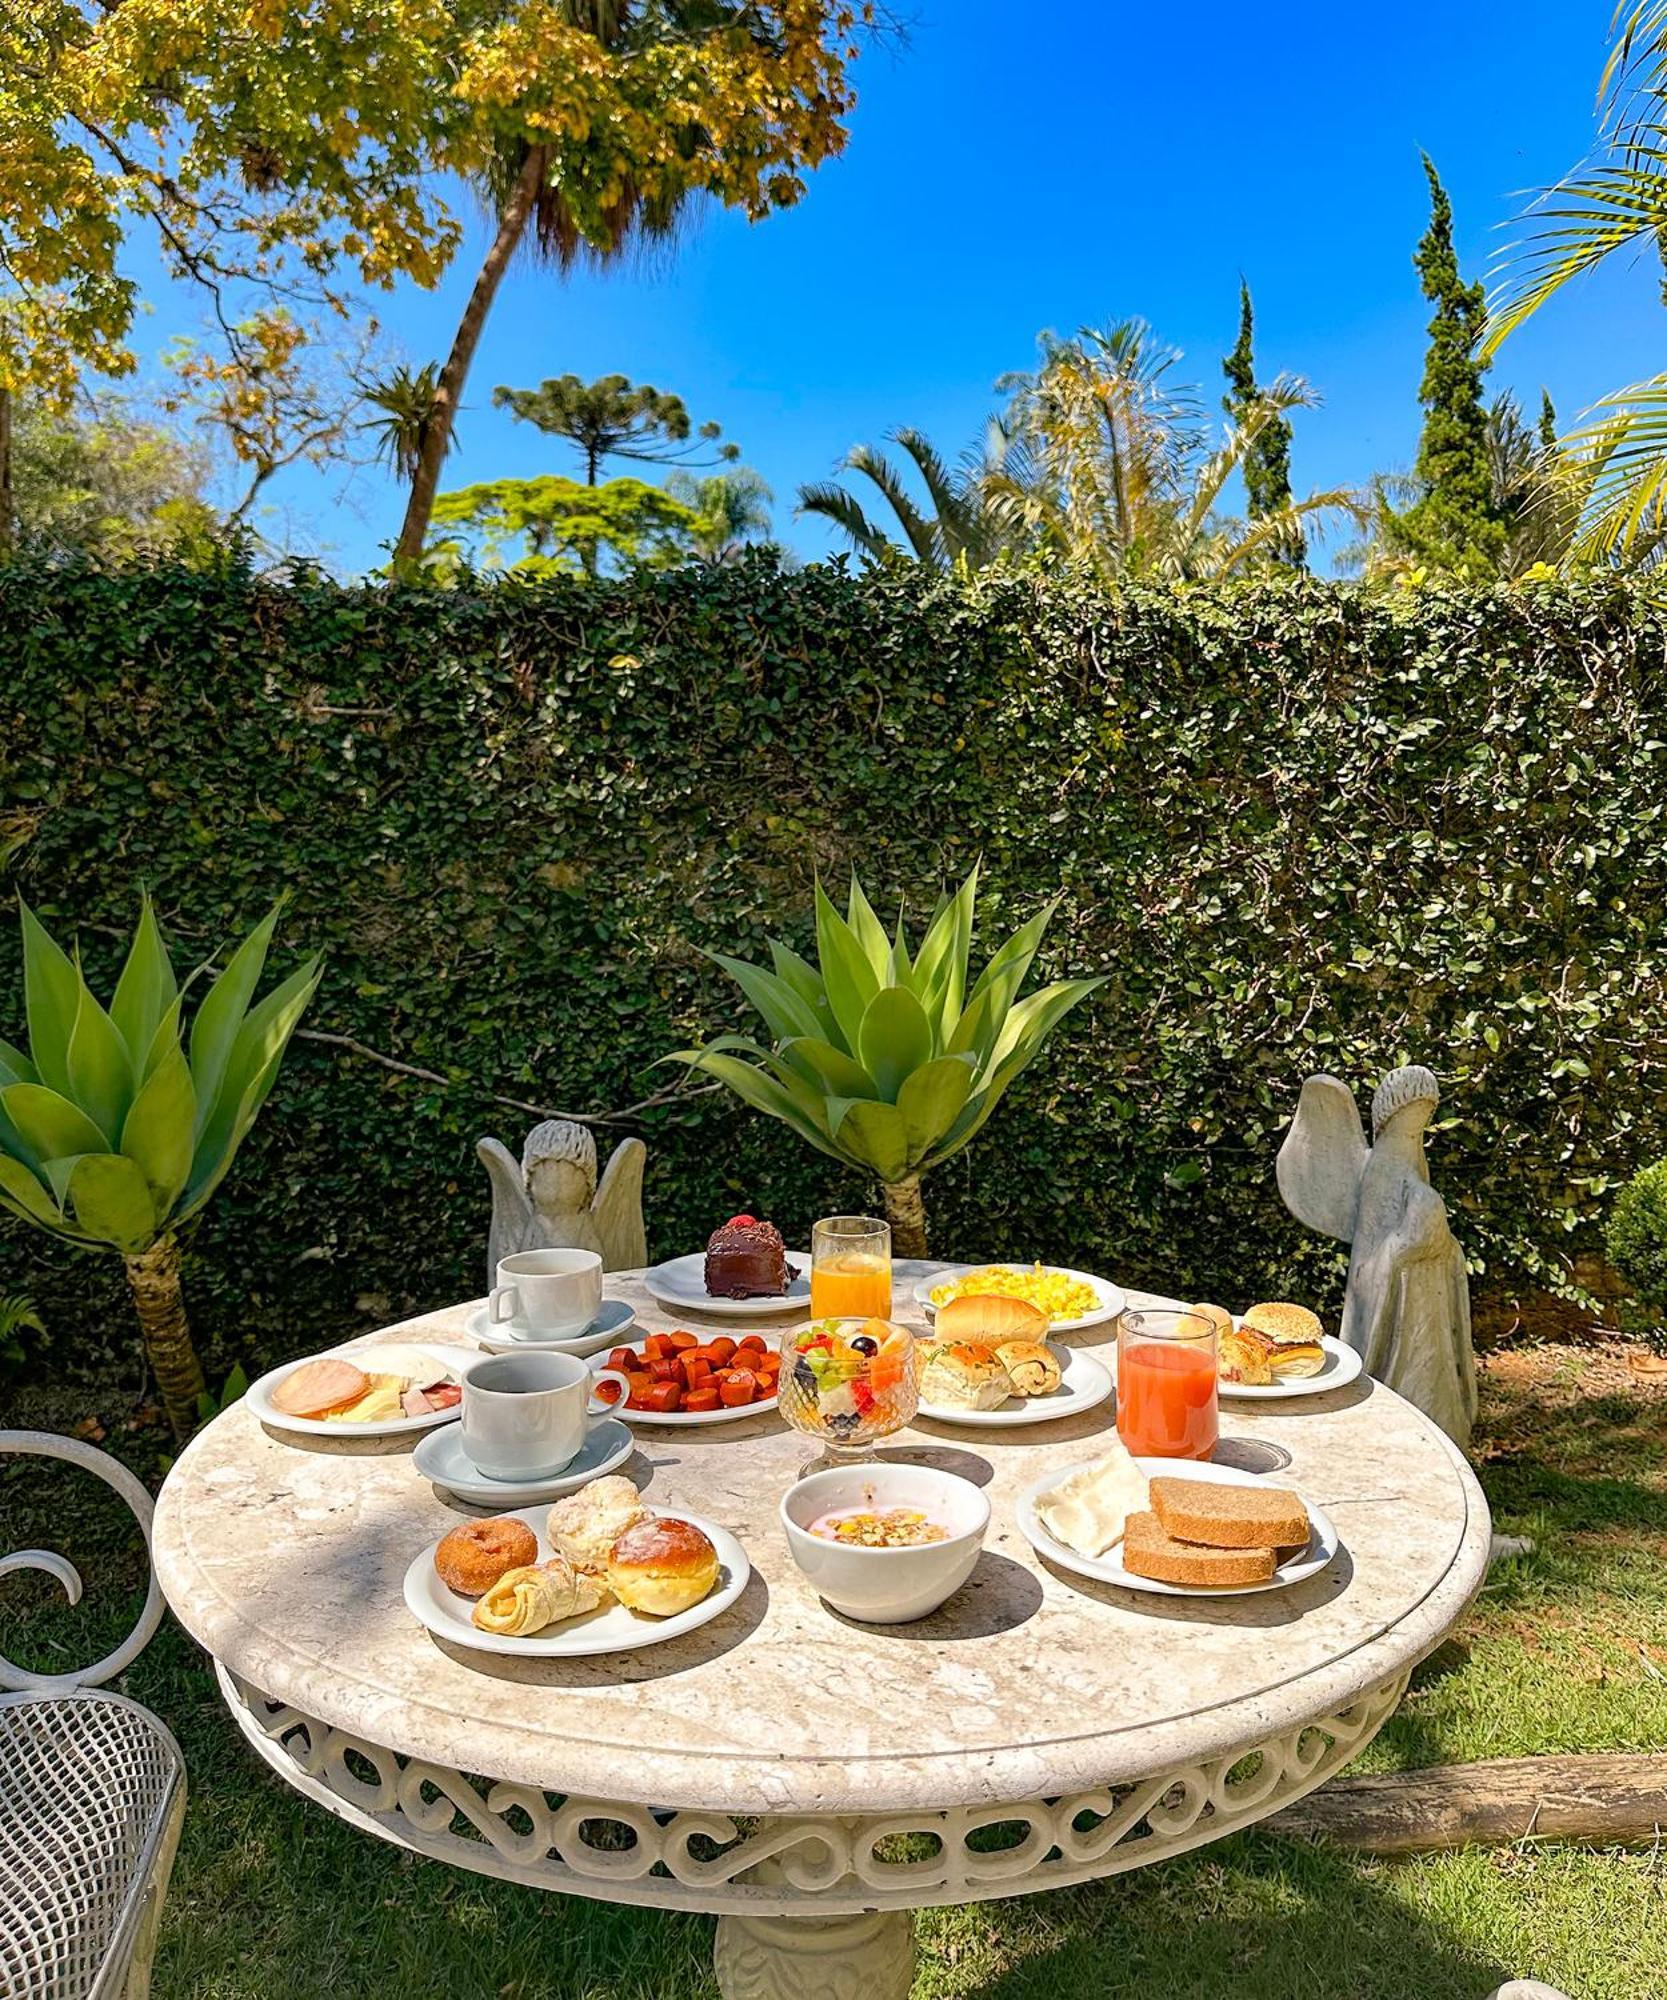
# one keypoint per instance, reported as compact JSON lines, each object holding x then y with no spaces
{"x":377,"y":1405}
{"x":1088,"y":1511}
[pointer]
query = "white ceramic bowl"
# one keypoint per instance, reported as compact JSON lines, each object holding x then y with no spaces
{"x":886,"y":1586}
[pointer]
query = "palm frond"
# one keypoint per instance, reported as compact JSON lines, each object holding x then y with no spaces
{"x":1585,"y":219}
{"x":830,"y":500}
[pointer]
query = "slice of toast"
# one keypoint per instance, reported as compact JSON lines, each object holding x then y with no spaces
{"x":1230,"y":1517}
{"x":1148,"y":1551}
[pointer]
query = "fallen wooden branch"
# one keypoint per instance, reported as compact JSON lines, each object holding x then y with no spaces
{"x":676,"y":1093}
{"x":1606,"y":1799}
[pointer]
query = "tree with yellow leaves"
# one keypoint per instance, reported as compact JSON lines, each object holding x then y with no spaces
{"x":293,"y":149}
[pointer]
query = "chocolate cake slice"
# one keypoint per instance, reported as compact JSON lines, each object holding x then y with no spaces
{"x":746,"y":1259}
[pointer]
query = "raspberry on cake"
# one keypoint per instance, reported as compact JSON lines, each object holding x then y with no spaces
{"x":746,"y":1259}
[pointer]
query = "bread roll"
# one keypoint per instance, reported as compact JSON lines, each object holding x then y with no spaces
{"x":1284,"y":1323}
{"x":585,"y":1526}
{"x":988,"y":1318}
{"x":1218,"y":1316}
{"x":662,"y":1566}
{"x":959,"y":1376}
{"x":1031,"y":1366}
{"x":1296,"y":1357}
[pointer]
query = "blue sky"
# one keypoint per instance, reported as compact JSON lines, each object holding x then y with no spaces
{"x":1010,"y":170}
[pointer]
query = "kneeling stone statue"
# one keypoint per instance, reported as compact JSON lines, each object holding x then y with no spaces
{"x":1407,"y":1310}
{"x":551,"y":1201}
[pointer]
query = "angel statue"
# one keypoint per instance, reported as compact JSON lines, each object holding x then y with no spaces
{"x":551,"y":1200}
{"x":1407,"y":1310}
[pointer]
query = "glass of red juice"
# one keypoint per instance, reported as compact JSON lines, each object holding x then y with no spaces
{"x":1166,"y":1383}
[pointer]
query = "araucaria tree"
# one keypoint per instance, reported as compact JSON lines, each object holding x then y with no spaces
{"x":297,"y":151}
{"x":614,"y":417}
{"x":1266,"y":470}
{"x":1456,"y":522}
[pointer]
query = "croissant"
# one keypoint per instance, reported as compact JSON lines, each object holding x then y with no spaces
{"x":1243,"y":1356}
{"x":526,"y":1600}
{"x":1031,"y":1366}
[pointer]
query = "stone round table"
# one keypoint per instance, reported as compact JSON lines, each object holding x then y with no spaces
{"x":811,"y":1780}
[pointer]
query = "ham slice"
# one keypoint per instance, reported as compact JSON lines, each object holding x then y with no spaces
{"x":415,"y":1403}
{"x":318,"y":1387}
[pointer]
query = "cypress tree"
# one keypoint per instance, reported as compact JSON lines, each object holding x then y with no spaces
{"x":1456,"y":523}
{"x":1267,"y":465}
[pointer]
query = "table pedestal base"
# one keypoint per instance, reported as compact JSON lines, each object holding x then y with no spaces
{"x":869,"y":1957}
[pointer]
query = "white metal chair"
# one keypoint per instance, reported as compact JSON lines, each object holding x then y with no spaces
{"x":92,"y":1796}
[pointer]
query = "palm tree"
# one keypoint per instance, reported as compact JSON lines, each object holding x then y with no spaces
{"x":957,"y":525}
{"x":1613,"y":204}
{"x":731,"y":508}
{"x":1120,"y":472}
{"x":529,"y":204}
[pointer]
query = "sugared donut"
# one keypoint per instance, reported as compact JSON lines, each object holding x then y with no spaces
{"x":472,"y":1558}
{"x":662,"y":1566}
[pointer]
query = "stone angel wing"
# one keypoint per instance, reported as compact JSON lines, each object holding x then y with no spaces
{"x":1320,"y":1163}
{"x":617,"y":1208}
{"x":511,"y":1208}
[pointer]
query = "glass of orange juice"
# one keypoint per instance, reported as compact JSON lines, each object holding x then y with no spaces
{"x":850,"y":1268}
{"x":1166,"y":1384}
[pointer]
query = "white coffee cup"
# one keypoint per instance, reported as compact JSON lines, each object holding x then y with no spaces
{"x":526,"y":1416}
{"x":547,"y":1294}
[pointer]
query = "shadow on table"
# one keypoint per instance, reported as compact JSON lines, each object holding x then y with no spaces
{"x":1254,"y":1916}
{"x":1265,"y":1610}
{"x":999,"y":1595}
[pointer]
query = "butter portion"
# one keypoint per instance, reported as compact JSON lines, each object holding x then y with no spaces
{"x":1089,"y":1511}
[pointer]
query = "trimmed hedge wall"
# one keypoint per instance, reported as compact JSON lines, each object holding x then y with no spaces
{"x":1299,"y":825}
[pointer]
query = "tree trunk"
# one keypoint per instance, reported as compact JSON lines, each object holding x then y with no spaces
{"x":7,"y":508}
{"x":436,"y":442}
{"x":153,"y":1278}
{"x":906,"y":1213}
{"x":1610,"y":1798}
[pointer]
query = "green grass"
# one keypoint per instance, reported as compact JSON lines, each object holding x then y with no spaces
{"x":1566,"y":1650}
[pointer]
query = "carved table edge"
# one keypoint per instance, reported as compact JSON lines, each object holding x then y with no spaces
{"x":795,"y":1863}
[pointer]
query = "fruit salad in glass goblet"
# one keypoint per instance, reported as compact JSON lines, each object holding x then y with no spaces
{"x":847,"y":1383}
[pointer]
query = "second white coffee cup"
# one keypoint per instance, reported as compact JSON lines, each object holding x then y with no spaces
{"x":549,"y":1294}
{"x":526,"y":1416}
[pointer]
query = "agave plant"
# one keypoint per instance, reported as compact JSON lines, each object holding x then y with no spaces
{"x":883,"y":1059}
{"x":112,"y":1135}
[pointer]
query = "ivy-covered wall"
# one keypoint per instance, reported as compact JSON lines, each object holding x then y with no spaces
{"x":1299,"y":826}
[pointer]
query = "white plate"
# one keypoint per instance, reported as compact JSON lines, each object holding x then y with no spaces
{"x":614,"y":1319}
{"x":395,"y":1358}
{"x":611,"y":1628}
{"x":1322,"y":1536}
{"x":1342,"y":1365}
{"x":681,"y":1284}
{"x":444,"y":1457}
{"x":1084,"y":1383}
{"x":690,"y":1419}
{"x":1112,"y":1297}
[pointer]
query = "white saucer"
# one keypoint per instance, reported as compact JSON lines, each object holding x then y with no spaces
{"x":607,"y":1329}
{"x":1084,"y":1384}
{"x":611,"y":1628}
{"x":444,"y":1457}
{"x":1321,"y":1550}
